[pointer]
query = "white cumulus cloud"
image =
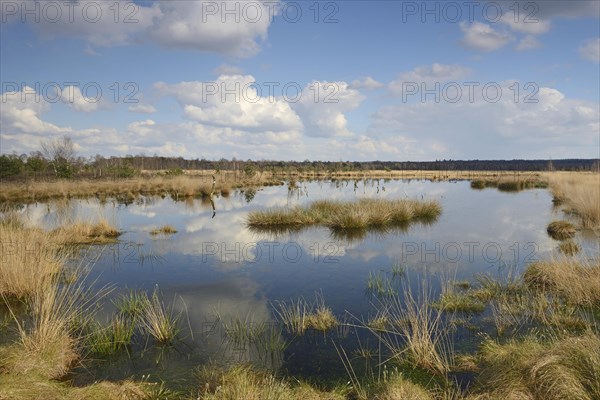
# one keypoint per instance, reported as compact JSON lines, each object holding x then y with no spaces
{"x":590,"y":50}
{"x":482,"y":37}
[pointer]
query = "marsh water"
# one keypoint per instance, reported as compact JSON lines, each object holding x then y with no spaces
{"x":216,"y":269}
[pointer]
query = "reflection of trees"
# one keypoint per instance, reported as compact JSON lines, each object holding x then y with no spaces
{"x":249,"y":194}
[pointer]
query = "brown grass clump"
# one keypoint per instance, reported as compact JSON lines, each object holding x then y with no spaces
{"x":569,"y":247}
{"x":244,"y":382}
{"x":563,"y":368}
{"x":361,"y":214}
{"x":579,"y":194}
{"x":561,"y":230}
{"x":300,"y":315}
{"x":83,"y":232}
{"x":322,"y":319}
{"x":578,"y":282}
{"x":46,"y":349}
{"x":164,"y":230}
{"x":417,"y":332}
{"x":30,"y":261}
{"x":33,"y":388}
{"x":401,"y":389}
{"x":509,"y":183}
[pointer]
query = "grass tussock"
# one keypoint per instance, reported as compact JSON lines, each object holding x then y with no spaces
{"x":111,"y":339}
{"x":30,"y":261}
{"x":47,"y":346}
{"x":244,"y":382}
{"x":160,"y":321}
{"x":575,"y":281}
{"x":569,"y":247}
{"x":300,"y":315}
{"x":561,"y":230}
{"x":164,"y":230}
{"x":562,"y":368}
{"x":83,"y":232}
{"x":398,"y":388}
{"x":21,"y":387}
{"x":509,"y":183}
{"x":579,"y":194}
{"x":416,"y":332}
{"x":361,"y":214}
{"x":459,"y":302}
{"x":131,"y":304}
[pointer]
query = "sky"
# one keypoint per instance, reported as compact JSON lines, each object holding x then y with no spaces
{"x":296,"y":80}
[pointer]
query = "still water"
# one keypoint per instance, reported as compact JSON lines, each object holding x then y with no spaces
{"x":215,"y":265}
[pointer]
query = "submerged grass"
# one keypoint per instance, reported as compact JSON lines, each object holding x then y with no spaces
{"x":361,"y":214}
{"x":380,"y":285}
{"x":109,"y":340}
{"x":131,"y":304}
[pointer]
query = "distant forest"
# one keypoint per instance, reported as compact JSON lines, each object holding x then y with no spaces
{"x":166,"y":163}
{"x":40,"y":166}
{"x":58,"y":159}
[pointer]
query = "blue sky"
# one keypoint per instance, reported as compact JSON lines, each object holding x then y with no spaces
{"x":355,"y":74}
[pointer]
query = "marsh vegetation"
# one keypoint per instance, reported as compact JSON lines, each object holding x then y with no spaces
{"x":528,"y":331}
{"x":348,"y":215}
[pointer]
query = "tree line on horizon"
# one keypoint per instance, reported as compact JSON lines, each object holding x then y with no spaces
{"x":57,"y":159}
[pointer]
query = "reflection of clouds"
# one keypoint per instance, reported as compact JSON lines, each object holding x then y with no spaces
{"x":365,"y":255}
{"x":142,"y":212}
{"x":227,"y":236}
{"x":483,"y":217}
{"x":514,"y":224}
{"x":60,"y":212}
{"x":235,"y":301}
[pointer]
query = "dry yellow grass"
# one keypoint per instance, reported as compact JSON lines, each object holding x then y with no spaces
{"x":20,"y":387}
{"x":30,"y":261}
{"x":561,"y":230}
{"x":84,"y":232}
{"x":243,"y":382}
{"x":401,"y":389}
{"x":563,"y":368}
{"x":580,"y":195}
{"x":45,"y":349}
{"x":361,"y":214}
{"x":578,"y":282}
{"x":176,"y":187}
{"x":164,"y":230}
{"x":199,"y":183}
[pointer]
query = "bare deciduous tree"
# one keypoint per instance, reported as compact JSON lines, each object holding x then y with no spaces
{"x":61,"y":154}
